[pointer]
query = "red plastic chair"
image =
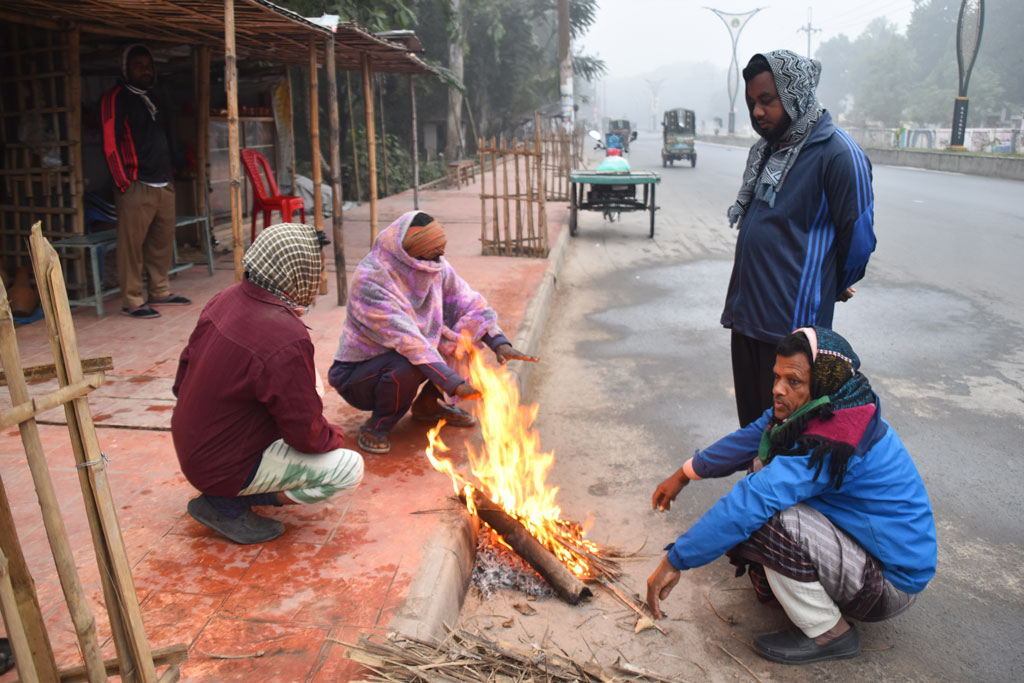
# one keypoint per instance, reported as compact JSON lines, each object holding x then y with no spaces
{"x":268,"y":201}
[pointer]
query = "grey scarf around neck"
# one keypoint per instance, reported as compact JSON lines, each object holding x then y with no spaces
{"x":796,"y":78}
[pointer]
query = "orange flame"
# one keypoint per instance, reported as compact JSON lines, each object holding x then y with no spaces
{"x":510,"y":467}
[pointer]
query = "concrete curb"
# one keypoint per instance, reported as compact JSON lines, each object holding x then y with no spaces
{"x":532,"y":326}
{"x":439,"y":587}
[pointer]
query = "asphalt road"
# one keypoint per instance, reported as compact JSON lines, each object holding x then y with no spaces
{"x":635,"y":375}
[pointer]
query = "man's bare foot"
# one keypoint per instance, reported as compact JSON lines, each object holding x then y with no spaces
{"x":841,"y":627}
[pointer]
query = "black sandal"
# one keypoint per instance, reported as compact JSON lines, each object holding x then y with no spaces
{"x":384,"y":446}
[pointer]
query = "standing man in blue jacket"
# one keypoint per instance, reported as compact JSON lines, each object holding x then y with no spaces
{"x":832,"y":519}
{"x":805,"y":214}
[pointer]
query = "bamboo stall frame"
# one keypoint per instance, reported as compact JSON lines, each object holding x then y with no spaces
{"x":371,"y":144}
{"x":244,"y":29}
{"x":528,"y":235}
{"x":337,"y":232}
{"x":234,"y":147}
{"x":135,"y":660}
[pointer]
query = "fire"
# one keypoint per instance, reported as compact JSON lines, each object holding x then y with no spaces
{"x":510,"y":468}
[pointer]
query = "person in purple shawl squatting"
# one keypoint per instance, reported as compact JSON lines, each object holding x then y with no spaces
{"x":832,"y":519}
{"x":406,"y":310}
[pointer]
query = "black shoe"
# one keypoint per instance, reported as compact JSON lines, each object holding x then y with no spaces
{"x":246,"y":529}
{"x":793,"y":647}
{"x":171,"y":300}
{"x":143,"y":311}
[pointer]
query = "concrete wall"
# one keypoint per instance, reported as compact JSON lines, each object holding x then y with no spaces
{"x":1011,"y":168}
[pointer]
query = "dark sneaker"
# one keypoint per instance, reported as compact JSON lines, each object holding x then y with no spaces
{"x":143,"y":311}
{"x":171,"y":300}
{"x":793,"y":647}
{"x":246,"y":529}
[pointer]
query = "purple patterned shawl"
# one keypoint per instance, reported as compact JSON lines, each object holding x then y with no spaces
{"x":412,"y":306}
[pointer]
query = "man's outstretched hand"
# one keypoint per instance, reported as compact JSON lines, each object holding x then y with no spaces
{"x":467,"y":391}
{"x":660,"y":584}
{"x":505,"y":353}
{"x":668,"y":490}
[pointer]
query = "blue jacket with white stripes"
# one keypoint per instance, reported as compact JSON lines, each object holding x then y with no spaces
{"x":795,"y":258}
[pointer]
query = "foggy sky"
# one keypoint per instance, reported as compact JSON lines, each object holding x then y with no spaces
{"x":637,"y":36}
{"x":685,"y":50}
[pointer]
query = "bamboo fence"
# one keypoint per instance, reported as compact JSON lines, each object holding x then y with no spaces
{"x":513,"y":214}
{"x":562,"y":151}
{"x":135,"y":660}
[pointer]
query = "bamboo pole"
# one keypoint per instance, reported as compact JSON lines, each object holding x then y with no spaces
{"x":494,"y":194}
{"x":291,"y":129}
{"x":202,"y":81}
{"x":528,"y":159}
{"x":383,"y":139}
{"x":30,"y":409}
{"x":483,"y":196}
{"x":74,"y":121}
{"x":16,"y":635}
{"x":337,"y":233}
{"x":415,"y":148}
{"x":371,"y":143}
{"x":234,"y":151}
{"x":504,"y":178}
{"x":26,"y":603}
{"x":352,"y":129}
{"x":64,"y":559}
{"x":542,"y":213}
{"x":172,"y":656}
{"x":314,"y":142}
{"x":126,"y":625}
{"x":519,"y":213}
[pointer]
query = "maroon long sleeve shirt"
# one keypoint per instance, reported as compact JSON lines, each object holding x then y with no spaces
{"x":245,"y":379}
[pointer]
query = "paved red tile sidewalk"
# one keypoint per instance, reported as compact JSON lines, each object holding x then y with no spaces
{"x":275,"y":611}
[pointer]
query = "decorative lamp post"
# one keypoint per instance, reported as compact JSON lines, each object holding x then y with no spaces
{"x":968,"y":40}
{"x":734,"y":21}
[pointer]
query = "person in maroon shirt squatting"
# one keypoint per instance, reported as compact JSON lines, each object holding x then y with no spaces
{"x":248,"y":427}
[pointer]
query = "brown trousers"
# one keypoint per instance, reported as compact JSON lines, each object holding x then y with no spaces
{"x":145,"y":241}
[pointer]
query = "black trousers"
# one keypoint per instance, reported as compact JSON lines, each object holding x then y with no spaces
{"x":753,"y":365}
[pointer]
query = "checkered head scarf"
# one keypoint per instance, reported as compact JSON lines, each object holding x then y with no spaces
{"x":285,"y":261}
{"x":796,"y":79}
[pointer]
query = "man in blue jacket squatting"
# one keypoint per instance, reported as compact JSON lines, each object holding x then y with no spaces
{"x":832,"y":520}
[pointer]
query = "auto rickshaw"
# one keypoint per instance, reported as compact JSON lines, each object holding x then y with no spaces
{"x":679,"y":128}
{"x":623,"y":129}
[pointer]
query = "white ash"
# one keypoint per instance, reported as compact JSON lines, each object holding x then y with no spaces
{"x":497,"y":566}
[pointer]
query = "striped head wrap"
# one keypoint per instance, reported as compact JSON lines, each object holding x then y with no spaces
{"x":285,"y":261}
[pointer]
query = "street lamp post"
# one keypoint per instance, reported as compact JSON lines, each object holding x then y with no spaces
{"x":734,"y":22}
{"x":968,"y":39}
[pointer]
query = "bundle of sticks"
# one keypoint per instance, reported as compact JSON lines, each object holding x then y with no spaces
{"x":465,"y":656}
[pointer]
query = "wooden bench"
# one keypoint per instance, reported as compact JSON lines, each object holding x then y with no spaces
{"x":95,"y":243}
{"x":460,"y":172}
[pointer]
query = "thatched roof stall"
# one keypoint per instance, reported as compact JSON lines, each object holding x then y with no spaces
{"x":243,"y":29}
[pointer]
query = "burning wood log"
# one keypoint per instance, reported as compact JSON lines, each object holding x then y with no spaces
{"x":563,"y":581}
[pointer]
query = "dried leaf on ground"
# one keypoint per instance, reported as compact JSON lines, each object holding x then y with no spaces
{"x":524,"y":609}
{"x":643,"y":623}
